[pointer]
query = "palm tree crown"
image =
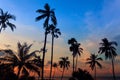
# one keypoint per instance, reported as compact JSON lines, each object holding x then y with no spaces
{"x":22,"y":59}
{"x":54,"y":31}
{"x":93,"y":60}
{"x":4,"y":20}
{"x":64,"y":63}
{"x":108,"y":48}
{"x":55,"y":65}
{"x":48,"y":14}
{"x":75,"y":47}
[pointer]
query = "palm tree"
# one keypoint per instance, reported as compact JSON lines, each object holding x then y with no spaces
{"x":55,"y":65}
{"x":64,"y":63}
{"x":108,"y":48}
{"x":75,"y":49}
{"x":4,"y":20}
{"x":21,"y":59}
{"x":79,"y":51}
{"x":55,"y":32}
{"x":46,"y":14}
{"x":92,"y":61}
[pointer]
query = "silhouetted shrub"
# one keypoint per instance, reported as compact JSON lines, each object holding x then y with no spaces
{"x":81,"y":75}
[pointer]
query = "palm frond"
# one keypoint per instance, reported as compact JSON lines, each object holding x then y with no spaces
{"x":1,"y":11}
{"x":32,"y":54}
{"x":40,"y":17}
{"x":113,"y":43}
{"x":54,"y":20}
{"x":9,"y":16}
{"x":99,"y":64}
{"x":41,"y":11}
{"x":12,"y":26}
{"x":99,"y":59}
{"x":27,"y":48}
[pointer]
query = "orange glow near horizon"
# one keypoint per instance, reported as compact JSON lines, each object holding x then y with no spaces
{"x":61,"y":50}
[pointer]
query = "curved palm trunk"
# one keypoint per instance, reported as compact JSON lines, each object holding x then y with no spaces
{"x":76,"y":62}
{"x":73,"y":63}
{"x":43,"y":59}
{"x":51,"y":56}
{"x":95,"y":74}
{"x":113,"y":69}
{"x":62,"y":73}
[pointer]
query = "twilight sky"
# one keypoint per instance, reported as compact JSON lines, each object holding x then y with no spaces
{"x":86,"y":20}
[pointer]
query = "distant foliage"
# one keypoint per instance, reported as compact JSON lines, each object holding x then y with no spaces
{"x":81,"y":75}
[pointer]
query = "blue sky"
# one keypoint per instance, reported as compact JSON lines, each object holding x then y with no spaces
{"x":86,"y":20}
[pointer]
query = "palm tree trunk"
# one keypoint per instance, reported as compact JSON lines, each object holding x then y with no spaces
{"x":113,"y":69}
{"x":0,"y":29}
{"x":95,"y":73}
{"x":43,"y":58}
{"x":76,"y":62}
{"x":73,"y":63}
{"x":51,"y":56}
{"x":62,"y":73}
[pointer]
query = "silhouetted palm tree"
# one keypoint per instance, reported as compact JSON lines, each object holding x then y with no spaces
{"x":79,"y":51}
{"x":75,"y":49}
{"x":55,"y":32}
{"x":46,"y":14}
{"x":21,"y":59}
{"x":64,"y":63}
{"x":4,"y":20}
{"x":72,"y":42}
{"x":93,"y":60}
{"x":108,"y":48}
{"x":55,"y":65}
{"x":81,"y":75}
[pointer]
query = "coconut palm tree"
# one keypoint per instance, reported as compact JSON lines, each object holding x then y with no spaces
{"x":55,"y":66}
{"x":72,"y":42}
{"x":93,"y":61}
{"x":109,"y":49}
{"x":79,"y":51}
{"x":4,"y":20}
{"x":64,"y":63}
{"x":46,"y":14}
{"x":75,"y":49}
{"x":55,"y":32}
{"x":21,"y":59}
